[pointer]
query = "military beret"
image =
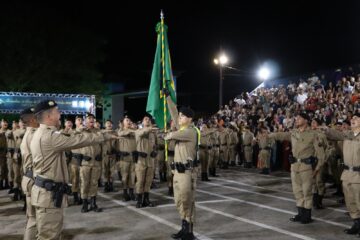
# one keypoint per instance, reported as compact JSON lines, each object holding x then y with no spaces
{"x":147,"y":115}
{"x":27,"y":111}
{"x":347,"y":122}
{"x":357,"y":114}
{"x":44,"y":105}
{"x":188,"y":112}
{"x":125,"y":116}
{"x":304,"y":115}
{"x":318,"y":120}
{"x":87,"y":115}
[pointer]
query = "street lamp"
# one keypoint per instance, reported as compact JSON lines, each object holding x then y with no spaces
{"x":264,"y":73}
{"x":221,"y":61}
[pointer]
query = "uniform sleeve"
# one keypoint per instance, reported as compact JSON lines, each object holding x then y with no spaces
{"x":333,"y":134}
{"x":184,"y":136}
{"x":319,"y":152}
{"x":283,"y":136}
{"x":125,"y":132}
{"x":142,"y":132}
{"x":173,"y":111}
{"x":60,"y":142}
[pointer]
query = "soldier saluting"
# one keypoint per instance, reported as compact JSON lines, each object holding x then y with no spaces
{"x":351,"y":175}
{"x":185,"y":162}
{"x":48,"y":146}
{"x":307,"y":158}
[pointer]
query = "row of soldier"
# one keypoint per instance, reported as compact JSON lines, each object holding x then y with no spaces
{"x":46,"y":152}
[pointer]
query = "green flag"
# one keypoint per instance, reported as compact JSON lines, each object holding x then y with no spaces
{"x":161,"y":76}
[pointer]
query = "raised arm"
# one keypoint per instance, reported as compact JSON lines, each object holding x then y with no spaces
{"x":281,"y":136}
{"x":173,"y":111}
{"x":181,"y":135}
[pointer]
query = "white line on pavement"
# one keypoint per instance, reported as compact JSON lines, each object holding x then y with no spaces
{"x":149,"y":215}
{"x":204,"y":202}
{"x":270,"y":208}
{"x":262,"y":225}
{"x":276,"y":229}
{"x":264,"y":194}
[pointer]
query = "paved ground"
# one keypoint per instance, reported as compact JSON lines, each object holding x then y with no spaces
{"x":240,"y":204}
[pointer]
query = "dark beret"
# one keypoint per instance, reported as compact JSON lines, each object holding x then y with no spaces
{"x":304,"y":115}
{"x":318,"y":120}
{"x":27,"y":111}
{"x":188,"y":112}
{"x":87,"y":115}
{"x":44,"y":105}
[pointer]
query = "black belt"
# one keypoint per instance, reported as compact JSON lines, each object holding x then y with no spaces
{"x":29,"y":173}
{"x":209,"y":147}
{"x":161,"y":147}
{"x":203,"y":147}
{"x":352,"y":169}
{"x":171,"y":153}
{"x":142,"y":154}
{"x":224,"y":144}
{"x":217,"y":145}
{"x":57,"y":189}
{"x":181,"y":167}
{"x":310,"y":160}
{"x":123,"y":154}
{"x":11,"y":150}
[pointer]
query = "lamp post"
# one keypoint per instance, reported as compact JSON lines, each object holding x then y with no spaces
{"x":221,"y":61}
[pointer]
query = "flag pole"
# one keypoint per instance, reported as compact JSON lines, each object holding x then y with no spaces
{"x":163,"y":77}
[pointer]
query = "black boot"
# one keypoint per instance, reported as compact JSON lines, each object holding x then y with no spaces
{"x":179,"y":234}
{"x":306,"y":217}
{"x":100,"y":183}
{"x":131,"y":194}
{"x":266,"y":171}
{"x":139,"y":201}
{"x":11,"y":186}
{"x":93,"y":206}
{"x":315,"y":199}
{"x":16,"y":196}
{"x":146,"y":201}
{"x":85,"y":208}
{"x":213,"y":173}
{"x":24,"y":207}
{"x":171,"y":191}
{"x":319,"y":204}
{"x":232,"y":164}
{"x":126,"y":195}
{"x":355,"y":228}
{"x":206,"y":177}
{"x":119,"y":175}
{"x":2,"y":184}
{"x":188,"y":232}
{"x":76,"y":198}
{"x":111,"y":187}
{"x":6,"y":185}
{"x":164,"y":177}
{"x":297,"y":217}
{"x":203,"y":176}
{"x":106,"y":187}
{"x":339,"y":192}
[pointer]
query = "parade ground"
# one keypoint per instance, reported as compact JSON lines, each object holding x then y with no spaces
{"x":239,"y":204}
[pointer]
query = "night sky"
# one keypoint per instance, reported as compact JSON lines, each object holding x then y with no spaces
{"x":300,"y":36}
